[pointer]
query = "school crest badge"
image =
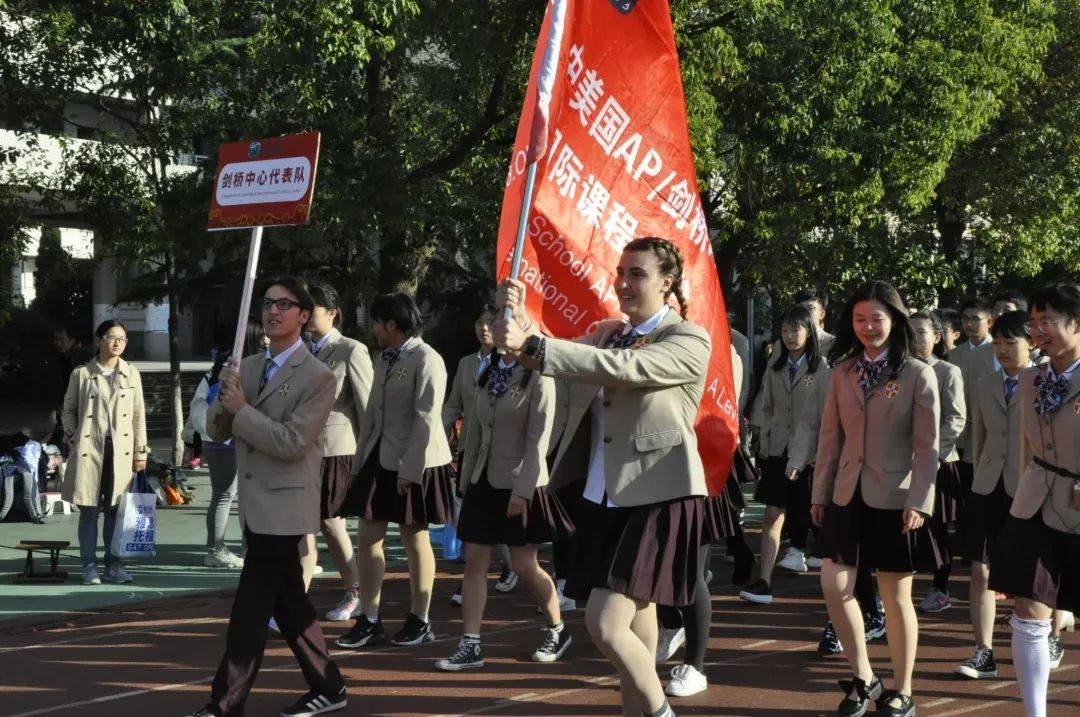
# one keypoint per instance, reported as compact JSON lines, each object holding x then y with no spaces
{"x":400,"y":374}
{"x":892,"y":389}
{"x":808,"y":381}
{"x":330,"y":363}
{"x":639,"y":342}
{"x":516,"y":391}
{"x":624,"y":6}
{"x":283,"y":390}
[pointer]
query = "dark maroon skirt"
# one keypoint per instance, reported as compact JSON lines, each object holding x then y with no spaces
{"x":1032,"y":560}
{"x":648,"y":552}
{"x":374,"y":495}
{"x":483,"y":517}
{"x":857,"y":535}
{"x":336,"y":479}
{"x":723,"y":513}
{"x":950,"y":494}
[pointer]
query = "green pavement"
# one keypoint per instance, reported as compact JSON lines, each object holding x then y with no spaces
{"x":176,"y":570}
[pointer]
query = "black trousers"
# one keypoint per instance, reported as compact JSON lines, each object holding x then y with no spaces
{"x":271,"y":584}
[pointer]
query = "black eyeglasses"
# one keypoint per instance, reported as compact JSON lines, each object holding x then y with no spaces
{"x":282,"y":305}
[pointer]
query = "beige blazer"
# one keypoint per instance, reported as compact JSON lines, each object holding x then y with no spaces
{"x":277,"y":439}
{"x":995,"y":435}
{"x":510,"y":434}
{"x":973,"y":365}
{"x":1055,"y":440}
{"x":953,"y":407}
{"x":558,"y":421}
{"x":462,"y":399}
{"x":651,"y":399}
{"x":885,"y":443}
{"x":786,"y":407}
{"x":405,"y":414}
{"x":351,"y":363}
{"x":91,"y":404}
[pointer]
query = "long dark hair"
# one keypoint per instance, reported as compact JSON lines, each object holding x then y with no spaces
{"x":847,"y":343}
{"x":938,"y":350}
{"x":800,"y":316}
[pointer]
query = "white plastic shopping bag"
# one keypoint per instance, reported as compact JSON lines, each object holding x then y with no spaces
{"x":136,"y":520}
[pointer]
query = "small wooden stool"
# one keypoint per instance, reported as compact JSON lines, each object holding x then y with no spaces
{"x":54,"y":575}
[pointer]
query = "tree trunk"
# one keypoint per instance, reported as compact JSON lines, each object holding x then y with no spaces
{"x":951,"y":227}
{"x":174,"y":358}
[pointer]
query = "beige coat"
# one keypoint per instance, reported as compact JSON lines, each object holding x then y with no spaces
{"x":651,"y":399}
{"x":405,"y":416}
{"x":510,"y":433}
{"x":791,"y":414}
{"x":351,"y":363}
{"x":277,"y":439}
{"x":462,"y":399}
{"x":886,"y":443}
{"x":995,"y":435}
{"x":973,"y":365}
{"x":91,"y":405}
{"x":954,"y":413}
{"x":1056,"y":441}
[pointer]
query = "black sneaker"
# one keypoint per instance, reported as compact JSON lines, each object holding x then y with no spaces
{"x":456,"y":598}
{"x":363,"y":633}
{"x":207,"y":711}
{"x":315,"y":703}
{"x":830,"y":643}
{"x":859,"y":694}
{"x":554,"y":645}
{"x":759,"y":593}
{"x":414,"y":632}
{"x":979,"y":666}
{"x":469,"y":656}
{"x":1057,"y":651}
{"x":874,"y":626}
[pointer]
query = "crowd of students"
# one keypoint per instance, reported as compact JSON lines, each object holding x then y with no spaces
{"x":884,"y":451}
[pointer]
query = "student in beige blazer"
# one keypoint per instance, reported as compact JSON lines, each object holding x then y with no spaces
{"x":274,"y":406}
{"x":351,"y":363}
{"x":950,"y":490}
{"x":402,"y":470}
{"x":1037,"y":554}
{"x":873,"y":488}
{"x":630,"y":430}
{"x":105,"y":426}
{"x":995,"y":445}
{"x":794,"y":388}
{"x":504,"y":477}
{"x":974,"y":358}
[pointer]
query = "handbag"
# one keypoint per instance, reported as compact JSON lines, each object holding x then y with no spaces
{"x":136,"y":520}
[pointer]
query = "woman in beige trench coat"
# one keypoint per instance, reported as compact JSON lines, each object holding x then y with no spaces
{"x":105,"y":429}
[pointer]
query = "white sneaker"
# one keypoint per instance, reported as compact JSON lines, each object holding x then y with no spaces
{"x":317,"y":570}
{"x":118,"y":575}
{"x":669,"y":642}
{"x":794,"y":560}
{"x":348,"y":608}
{"x":223,"y":558}
{"x":812,"y":562}
{"x":565,"y":604}
{"x":686,"y":681}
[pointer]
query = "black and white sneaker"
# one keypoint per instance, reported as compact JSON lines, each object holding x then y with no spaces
{"x":456,"y":598}
{"x":1057,"y":651}
{"x":507,"y":581}
{"x":556,"y":640}
{"x":414,"y":632}
{"x":363,"y":633}
{"x":979,"y":666}
{"x":315,"y":703}
{"x":207,"y":711}
{"x":829,"y":644}
{"x":759,"y":593}
{"x":469,"y":656}
{"x":874,"y":626}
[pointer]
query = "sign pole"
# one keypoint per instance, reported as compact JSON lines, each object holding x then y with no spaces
{"x":523,"y":223}
{"x":245,"y":299}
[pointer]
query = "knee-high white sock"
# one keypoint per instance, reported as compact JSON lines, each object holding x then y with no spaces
{"x":1031,"y":657}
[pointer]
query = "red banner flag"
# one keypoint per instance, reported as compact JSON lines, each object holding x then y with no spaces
{"x":616,"y":164}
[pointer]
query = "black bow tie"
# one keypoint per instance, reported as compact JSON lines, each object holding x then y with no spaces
{"x":390,"y":356}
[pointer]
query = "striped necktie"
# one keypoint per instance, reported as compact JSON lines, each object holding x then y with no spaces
{"x":265,"y":374}
{"x":1010,"y":387}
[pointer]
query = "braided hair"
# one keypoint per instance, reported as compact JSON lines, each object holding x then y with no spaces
{"x":671,"y":262}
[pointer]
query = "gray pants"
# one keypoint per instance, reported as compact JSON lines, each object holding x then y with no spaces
{"x":222,"y":460}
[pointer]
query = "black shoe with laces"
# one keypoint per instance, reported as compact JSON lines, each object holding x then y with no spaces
{"x":554,"y":645}
{"x":207,"y":711}
{"x":895,"y":704}
{"x":1057,"y":651}
{"x":859,"y":695}
{"x":759,"y":593}
{"x":830,"y":643}
{"x":874,"y":626}
{"x":363,"y":633}
{"x":315,"y":703}
{"x":468,"y":656}
{"x":979,"y":666}
{"x":414,"y":632}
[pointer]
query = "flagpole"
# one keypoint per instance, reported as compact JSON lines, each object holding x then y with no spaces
{"x":523,"y":223}
{"x":245,"y":298}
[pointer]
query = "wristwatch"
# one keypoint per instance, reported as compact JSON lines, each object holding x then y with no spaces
{"x":532,"y":345}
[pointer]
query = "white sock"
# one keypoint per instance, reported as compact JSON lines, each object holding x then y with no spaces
{"x":1031,"y":659}
{"x":423,"y":618}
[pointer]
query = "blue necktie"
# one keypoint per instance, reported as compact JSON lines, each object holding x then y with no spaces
{"x":1010,"y":387}
{"x":792,"y":369}
{"x":265,"y":374}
